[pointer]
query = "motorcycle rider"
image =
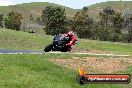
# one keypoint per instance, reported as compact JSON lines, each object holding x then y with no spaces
{"x":71,"y":39}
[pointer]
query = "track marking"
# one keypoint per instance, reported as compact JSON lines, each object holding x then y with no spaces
{"x":90,"y":54}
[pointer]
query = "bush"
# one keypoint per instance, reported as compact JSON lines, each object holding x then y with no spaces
{"x":55,"y":20}
{"x":116,"y":37}
{"x":83,"y":24}
{"x":13,"y":21}
{"x":1,"y":19}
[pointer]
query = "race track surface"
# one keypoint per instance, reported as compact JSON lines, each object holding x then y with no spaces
{"x":5,"y":51}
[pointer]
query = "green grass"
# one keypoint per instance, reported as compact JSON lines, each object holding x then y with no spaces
{"x":114,"y":47}
{"x":34,"y":71}
{"x":11,"y":39}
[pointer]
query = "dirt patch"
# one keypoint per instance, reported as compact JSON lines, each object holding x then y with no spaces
{"x":95,"y":51}
{"x":74,"y":49}
{"x":94,"y":64}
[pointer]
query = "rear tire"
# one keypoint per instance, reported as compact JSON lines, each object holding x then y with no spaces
{"x":48,"y":48}
{"x":65,"y":49}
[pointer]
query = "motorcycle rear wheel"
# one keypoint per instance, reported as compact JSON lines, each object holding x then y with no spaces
{"x":64,"y":49}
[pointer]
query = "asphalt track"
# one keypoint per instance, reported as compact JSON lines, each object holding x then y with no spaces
{"x":4,"y":51}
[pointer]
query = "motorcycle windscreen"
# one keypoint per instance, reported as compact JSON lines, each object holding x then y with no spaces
{"x":59,"y":39}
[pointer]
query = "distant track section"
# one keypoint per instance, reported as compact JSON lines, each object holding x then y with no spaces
{"x":2,"y":51}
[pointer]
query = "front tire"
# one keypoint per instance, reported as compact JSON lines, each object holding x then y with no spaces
{"x":48,"y":48}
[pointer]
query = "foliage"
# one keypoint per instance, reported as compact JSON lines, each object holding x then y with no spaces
{"x":129,"y":37}
{"x":55,"y":20}
{"x":85,"y":8}
{"x":1,"y":20}
{"x":108,"y":28}
{"x":39,"y":21}
{"x":109,"y":10}
{"x":31,"y":17}
{"x":83,"y":24}
{"x":110,"y":25}
{"x":117,"y":22}
{"x":13,"y":20}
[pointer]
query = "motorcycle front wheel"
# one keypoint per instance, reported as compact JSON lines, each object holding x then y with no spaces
{"x":48,"y":48}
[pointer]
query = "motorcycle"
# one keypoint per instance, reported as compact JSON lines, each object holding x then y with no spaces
{"x":58,"y":44}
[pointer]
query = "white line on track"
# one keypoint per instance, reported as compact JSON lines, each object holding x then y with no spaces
{"x":95,"y":54}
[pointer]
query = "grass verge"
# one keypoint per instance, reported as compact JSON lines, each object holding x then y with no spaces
{"x":34,"y":71}
{"x":10,"y":39}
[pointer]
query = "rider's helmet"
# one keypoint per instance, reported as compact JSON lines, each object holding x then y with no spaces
{"x":70,"y":33}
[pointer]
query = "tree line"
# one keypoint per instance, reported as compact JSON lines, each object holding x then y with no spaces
{"x":110,"y":26}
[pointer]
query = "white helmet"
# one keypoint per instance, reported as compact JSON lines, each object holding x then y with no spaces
{"x":70,"y":33}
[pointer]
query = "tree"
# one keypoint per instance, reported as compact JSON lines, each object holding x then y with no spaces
{"x":103,"y":19}
{"x":31,"y":18}
{"x":85,"y":8}
{"x":13,"y":21}
{"x":129,"y":37}
{"x":117,"y":22}
{"x":109,"y":10}
{"x":1,"y":19}
{"x":83,"y":24}
{"x":69,"y":24}
{"x":110,"y":25}
{"x":106,"y":17}
{"x":55,"y":20}
{"x":39,"y":21}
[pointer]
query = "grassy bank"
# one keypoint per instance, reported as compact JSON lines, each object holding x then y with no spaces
{"x":113,"y":47}
{"x":10,"y":39}
{"x":34,"y":71}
